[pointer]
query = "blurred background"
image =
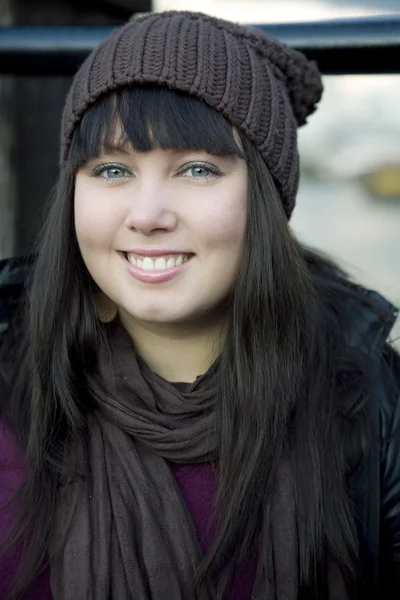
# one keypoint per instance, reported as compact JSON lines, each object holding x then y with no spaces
{"x":349,"y":200}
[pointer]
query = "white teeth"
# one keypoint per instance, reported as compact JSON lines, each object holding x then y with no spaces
{"x":157,"y":264}
{"x":160,"y":264}
{"x":170,"y":263}
{"x":148,"y":264}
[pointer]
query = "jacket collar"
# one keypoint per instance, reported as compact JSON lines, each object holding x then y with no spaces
{"x":371,"y":317}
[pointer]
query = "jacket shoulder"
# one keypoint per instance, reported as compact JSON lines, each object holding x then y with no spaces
{"x":369,"y":318}
{"x":13,"y":277}
{"x":389,"y":413}
{"x":371,"y":323}
{"x":366,"y":319}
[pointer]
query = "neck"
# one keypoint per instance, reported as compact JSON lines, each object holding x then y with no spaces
{"x":177,"y":352}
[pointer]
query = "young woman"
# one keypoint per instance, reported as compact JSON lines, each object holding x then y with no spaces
{"x":193,"y":404}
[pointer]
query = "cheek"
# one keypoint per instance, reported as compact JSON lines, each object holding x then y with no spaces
{"x":222,"y":219}
{"x":94,"y":222}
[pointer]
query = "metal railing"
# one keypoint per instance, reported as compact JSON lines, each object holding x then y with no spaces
{"x":365,"y":45}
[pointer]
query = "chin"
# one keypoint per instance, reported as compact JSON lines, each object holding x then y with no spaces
{"x":157,"y":315}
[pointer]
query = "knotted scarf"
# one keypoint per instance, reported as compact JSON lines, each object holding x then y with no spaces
{"x":132,"y":535}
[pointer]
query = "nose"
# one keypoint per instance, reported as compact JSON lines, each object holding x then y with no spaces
{"x":150,"y":209}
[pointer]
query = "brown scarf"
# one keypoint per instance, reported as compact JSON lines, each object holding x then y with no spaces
{"x":132,"y":535}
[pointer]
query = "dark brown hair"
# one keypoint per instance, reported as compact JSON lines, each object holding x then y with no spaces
{"x":288,"y":383}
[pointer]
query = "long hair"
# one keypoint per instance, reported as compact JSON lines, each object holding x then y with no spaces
{"x":284,"y":386}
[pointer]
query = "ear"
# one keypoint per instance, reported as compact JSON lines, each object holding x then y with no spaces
{"x":106,"y":309}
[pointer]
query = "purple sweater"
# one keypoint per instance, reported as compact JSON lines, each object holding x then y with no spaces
{"x":197,"y":485}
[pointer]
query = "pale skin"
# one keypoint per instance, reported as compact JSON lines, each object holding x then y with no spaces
{"x":184,"y":201}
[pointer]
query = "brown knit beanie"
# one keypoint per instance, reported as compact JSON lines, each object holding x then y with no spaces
{"x":261,"y":86}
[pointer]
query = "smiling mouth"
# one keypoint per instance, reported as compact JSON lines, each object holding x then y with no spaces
{"x":159,"y":263}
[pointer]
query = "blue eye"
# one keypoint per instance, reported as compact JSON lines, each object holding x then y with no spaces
{"x":111,"y":171}
{"x":199,"y":171}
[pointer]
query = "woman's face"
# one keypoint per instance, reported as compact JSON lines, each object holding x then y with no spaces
{"x":161,"y":232}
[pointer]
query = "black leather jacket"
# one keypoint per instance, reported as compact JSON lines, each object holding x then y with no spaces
{"x":376,"y":485}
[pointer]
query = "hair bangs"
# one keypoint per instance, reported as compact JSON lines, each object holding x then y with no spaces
{"x":150,"y":117}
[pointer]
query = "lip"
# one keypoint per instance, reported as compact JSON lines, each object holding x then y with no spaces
{"x":154,"y":251}
{"x":154,"y":276}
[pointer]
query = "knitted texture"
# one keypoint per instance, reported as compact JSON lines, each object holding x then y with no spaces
{"x":260,"y":85}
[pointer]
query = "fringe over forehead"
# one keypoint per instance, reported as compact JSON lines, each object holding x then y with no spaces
{"x":150,"y":117}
